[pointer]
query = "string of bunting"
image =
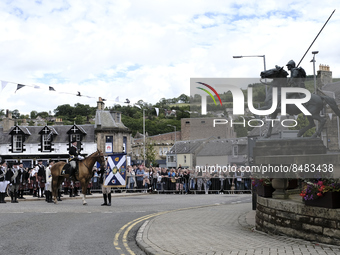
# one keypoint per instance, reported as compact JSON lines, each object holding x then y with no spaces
{"x":50,"y":88}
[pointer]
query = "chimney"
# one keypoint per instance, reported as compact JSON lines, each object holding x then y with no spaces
{"x":324,"y":75}
{"x":8,"y":122}
{"x":100,"y":104}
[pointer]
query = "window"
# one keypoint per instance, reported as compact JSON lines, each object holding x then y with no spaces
{"x":46,"y":143}
{"x":185,"y":159}
{"x":160,"y":151}
{"x":17,"y":143}
{"x":109,"y":144}
{"x":235,"y":151}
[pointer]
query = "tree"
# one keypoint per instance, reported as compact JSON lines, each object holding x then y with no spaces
{"x":150,"y":155}
{"x":34,"y":114}
{"x":43,"y":115}
{"x":302,"y":122}
{"x":184,"y":99}
{"x":16,"y":114}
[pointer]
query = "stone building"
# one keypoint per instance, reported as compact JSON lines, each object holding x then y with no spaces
{"x":28,"y":144}
{"x":200,"y":128}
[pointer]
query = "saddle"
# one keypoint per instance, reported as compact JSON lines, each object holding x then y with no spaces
{"x":67,"y":169}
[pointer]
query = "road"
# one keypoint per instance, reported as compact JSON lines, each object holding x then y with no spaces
{"x":35,"y":227}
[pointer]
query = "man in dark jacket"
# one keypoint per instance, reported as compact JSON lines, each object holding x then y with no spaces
{"x":13,"y":176}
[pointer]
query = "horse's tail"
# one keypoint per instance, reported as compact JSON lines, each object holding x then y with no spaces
{"x":332,"y":103}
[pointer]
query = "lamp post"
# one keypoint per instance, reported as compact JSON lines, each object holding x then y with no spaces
{"x":313,"y":60}
{"x":256,"y":56}
{"x":144,"y":137}
{"x":175,"y":142}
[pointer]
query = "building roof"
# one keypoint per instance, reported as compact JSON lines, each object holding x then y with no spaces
{"x":223,"y":147}
{"x":60,"y":133}
{"x":186,"y":147}
{"x":331,"y":88}
{"x":104,"y":119}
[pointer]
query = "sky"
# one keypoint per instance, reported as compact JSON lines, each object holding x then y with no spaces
{"x":148,"y":50}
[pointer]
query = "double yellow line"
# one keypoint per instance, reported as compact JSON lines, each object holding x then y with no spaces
{"x":128,"y":226}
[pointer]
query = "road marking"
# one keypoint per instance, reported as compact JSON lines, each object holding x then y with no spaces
{"x":128,"y":226}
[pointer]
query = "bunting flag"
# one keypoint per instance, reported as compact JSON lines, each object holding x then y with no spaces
{"x":3,"y":84}
{"x":50,"y":88}
{"x":19,"y":86}
{"x":295,"y":117}
{"x":157,"y":111}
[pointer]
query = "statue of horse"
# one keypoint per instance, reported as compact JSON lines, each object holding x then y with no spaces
{"x":314,"y":105}
{"x":84,"y":174}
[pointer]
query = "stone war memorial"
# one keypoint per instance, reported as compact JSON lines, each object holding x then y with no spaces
{"x":300,"y":175}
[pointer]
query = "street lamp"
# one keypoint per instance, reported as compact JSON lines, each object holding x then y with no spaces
{"x":175,"y":142}
{"x":256,"y":56}
{"x":144,"y":137}
{"x":313,"y":60}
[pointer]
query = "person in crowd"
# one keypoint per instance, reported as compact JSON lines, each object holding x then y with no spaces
{"x":3,"y":181}
{"x":95,"y":179}
{"x":186,"y":177}
{"x":164,"y":180}
{"x":48,"y":184}
{"x":215,"y":182}
{"x":228,"y":182}
{"x":199,"y":180}
{"x":106,"y":190}
{"x":192,"y":180}
{"x":146,"y":180}
{"x":13,"y":176}
{"x":23,"y":181}
{"x":131,"y":179}
{"x":33,"y":181}
{"x":206,"y":182}
{"x":140,"y":176}
{"x":40,"y":170}
{"x":239,"y":181}
{"x":172,"y":179}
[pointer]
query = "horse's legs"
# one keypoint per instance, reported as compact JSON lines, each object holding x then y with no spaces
{"x":83,"y":189}
{"x":55,"y":186}
{"x":270,"y":128}
{"x":322,"y":121}
{"x":309,"y":126}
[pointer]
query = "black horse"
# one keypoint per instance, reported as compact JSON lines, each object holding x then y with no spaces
{"x":314,"y":105}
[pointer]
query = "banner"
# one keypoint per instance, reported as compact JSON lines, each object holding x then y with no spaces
{"x":116,"y":176}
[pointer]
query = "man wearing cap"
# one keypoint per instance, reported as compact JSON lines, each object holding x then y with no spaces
{"x":13,"y":175}
{"x":74,"y":157}
{"x":3,"y":181}
{"x":23,"y":181}
{"x":40,"y":169}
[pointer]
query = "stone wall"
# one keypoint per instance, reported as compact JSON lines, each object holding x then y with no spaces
{"x":294,"y":219}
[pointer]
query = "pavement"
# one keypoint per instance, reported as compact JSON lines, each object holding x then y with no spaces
{"x":218,"y":229}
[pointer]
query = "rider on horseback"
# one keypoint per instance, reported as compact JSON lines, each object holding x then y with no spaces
{"x":74,"y":157}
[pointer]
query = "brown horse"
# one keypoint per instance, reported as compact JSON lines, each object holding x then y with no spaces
{"x":83,"y":175}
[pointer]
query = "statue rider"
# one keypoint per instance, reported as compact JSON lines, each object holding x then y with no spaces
{"x":74,"y":157}
{"x":297,"y":77}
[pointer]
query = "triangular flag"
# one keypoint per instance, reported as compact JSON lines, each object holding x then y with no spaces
{"x":117,"y":99}
{"x":330,"y":115}
{"x":51,"y":88}
{"x":157,"y":110}
{"x":3,"y":84}
{"x":19,"y":86}
{"x":295,"y":116}
{"x":138,"y":106}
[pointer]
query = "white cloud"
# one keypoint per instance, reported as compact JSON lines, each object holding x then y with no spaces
{"x":149,"y":49}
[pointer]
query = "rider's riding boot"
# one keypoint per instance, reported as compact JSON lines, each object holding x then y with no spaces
{"x":70,"y":191}
{"x":109,"y":197}
{"x":105,"y":199}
